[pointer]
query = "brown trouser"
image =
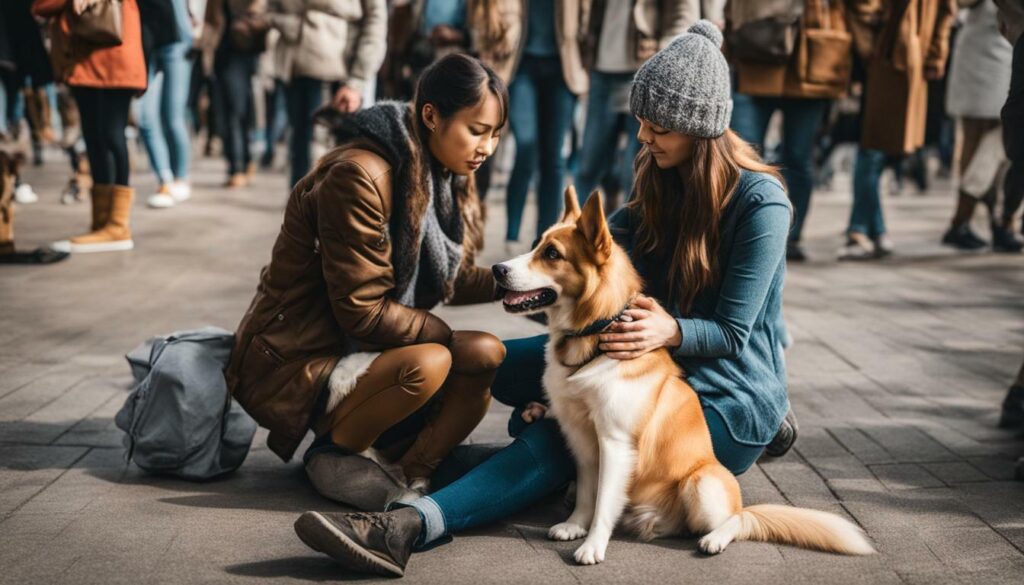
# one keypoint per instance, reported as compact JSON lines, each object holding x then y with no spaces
{"x":401,"y":381}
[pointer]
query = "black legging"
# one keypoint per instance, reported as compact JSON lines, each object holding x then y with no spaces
{"x":104,"y":115}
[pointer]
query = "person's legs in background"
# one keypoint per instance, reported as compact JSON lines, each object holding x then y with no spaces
{"x":600,"y":136}
{"x":750,"y":117}
{"x":173,"y":105}
{"x":555,"y":111}
{"x":275,"y":123}
{"x":152,"y":131}
{"x":233,"y":78}
{"x":524,"y":121}
{"x":960,"y":235}
{"x":305,"y":95}
{"x":801,"y":119}
{"x":104,"y":115}
{"x":866,"y":234}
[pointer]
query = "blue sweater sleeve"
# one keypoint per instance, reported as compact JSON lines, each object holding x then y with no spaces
{"x":758,"y":247}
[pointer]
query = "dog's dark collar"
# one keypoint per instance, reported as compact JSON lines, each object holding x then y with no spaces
{"x":597,"y":326}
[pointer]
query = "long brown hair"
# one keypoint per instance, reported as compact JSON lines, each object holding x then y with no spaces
{"x":680,"y":220}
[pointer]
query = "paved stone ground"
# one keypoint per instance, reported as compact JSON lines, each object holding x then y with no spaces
{"x":896,"y":375}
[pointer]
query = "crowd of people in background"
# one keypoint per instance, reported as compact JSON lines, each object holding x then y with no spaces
{"x":904,"y":80}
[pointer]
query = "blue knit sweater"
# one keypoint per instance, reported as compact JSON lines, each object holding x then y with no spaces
{"x":732,"y":348}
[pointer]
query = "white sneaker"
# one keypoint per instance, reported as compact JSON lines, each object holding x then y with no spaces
{"x":162,"y":199}
{"x":180,"y":191}
{"x":72,"y":248}
{"x":24,"y":194}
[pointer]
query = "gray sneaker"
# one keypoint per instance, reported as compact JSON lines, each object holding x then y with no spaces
{"x":378,"y":542}
{"x":785,"y":437}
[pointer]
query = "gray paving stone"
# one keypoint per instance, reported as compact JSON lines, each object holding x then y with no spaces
{"x":905,"y":476}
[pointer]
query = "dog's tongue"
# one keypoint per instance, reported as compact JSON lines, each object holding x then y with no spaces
{"x":516,"y":297}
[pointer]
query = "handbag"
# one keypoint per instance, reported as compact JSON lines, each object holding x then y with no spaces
{"x":769,"y":40}
{"x":248,"y":34}
{"x":100,"y":25}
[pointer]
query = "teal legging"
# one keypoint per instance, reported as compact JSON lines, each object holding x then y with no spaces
{"x":536,"y":464}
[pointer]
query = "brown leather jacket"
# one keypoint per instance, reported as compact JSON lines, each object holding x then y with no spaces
{"x":325,"y":294}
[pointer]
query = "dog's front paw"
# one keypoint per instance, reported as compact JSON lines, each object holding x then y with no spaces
{"x":533,"y":412}
{"x":713,"y":543}
{"x":590,"y":553}
{"x":567,"y":531}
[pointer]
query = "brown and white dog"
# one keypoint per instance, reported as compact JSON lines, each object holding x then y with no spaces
{"x":636,"y":427}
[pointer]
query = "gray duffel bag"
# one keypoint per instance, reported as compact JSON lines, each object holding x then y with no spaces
{"x":179,"y":419}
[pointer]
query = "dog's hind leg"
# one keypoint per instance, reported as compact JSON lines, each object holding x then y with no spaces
{"x":712,"y":498}
{"x":584,"y":448}
{"x":617,"y":460}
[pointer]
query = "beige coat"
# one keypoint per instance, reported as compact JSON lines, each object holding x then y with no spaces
{"x":330,"y":40}
{"x":653,"y":25}
{"x":914,"y":36}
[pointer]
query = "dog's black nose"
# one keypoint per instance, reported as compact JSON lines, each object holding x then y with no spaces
{"x":500,"y":271}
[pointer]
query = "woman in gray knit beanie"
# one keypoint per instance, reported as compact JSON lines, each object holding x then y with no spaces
{"x":707,"y":227}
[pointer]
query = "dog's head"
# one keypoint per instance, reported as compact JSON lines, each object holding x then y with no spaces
{"x":576,"y":273}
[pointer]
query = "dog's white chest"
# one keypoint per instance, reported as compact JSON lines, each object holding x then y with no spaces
{"x":597,"y":391}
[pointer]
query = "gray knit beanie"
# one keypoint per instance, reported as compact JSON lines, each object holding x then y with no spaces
{"x":685,"y":87}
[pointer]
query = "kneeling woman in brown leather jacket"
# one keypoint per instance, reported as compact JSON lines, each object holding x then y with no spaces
{"x":339,"y":338}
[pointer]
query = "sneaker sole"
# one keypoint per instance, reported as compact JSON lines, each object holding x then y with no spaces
{"x":320,"y":535}
{"x":159,"y":204}
{"x":118,"y":246}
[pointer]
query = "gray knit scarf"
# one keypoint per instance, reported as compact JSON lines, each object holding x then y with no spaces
{"x":426,"y":255}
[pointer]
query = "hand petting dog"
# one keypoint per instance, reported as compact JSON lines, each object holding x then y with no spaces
{"x":645,"y":327}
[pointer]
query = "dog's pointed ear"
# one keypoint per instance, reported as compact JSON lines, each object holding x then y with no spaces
{"x":594,"y":227}
{"x":572,"y":206}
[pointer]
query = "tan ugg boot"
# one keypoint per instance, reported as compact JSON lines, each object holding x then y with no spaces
{"x":114,"y":234}
{"x":101,"y":197}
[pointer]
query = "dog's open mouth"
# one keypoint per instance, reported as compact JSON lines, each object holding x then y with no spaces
{"x":528,"y":300}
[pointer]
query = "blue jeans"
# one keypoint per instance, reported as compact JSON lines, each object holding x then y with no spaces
{"x":275,"y":120}
{"x":866,"y":214}
{"x":541,"y":115}
{"x":801,"y":118}
{"x":162,"y":112}
{"x":538,"y":462}
{"x":233,"y":74}
{"x":601,"y":135}
{"x":304,"y":96}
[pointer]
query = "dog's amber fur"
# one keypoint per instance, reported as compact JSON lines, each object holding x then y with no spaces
{"x":676,"y":485}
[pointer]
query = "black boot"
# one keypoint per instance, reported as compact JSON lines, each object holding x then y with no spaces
{"x":1012,"y":416}
{"x":378,"y":542}
{"x":1004,"y":240}
{"x":963,"y":237}
{"x":785,"y":438}
{"x":795,"y":252}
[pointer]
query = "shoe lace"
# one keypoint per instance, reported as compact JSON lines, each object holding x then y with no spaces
{"x":374,"y":519}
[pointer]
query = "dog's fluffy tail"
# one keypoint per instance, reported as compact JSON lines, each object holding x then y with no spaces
{"x":803,"y":528}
